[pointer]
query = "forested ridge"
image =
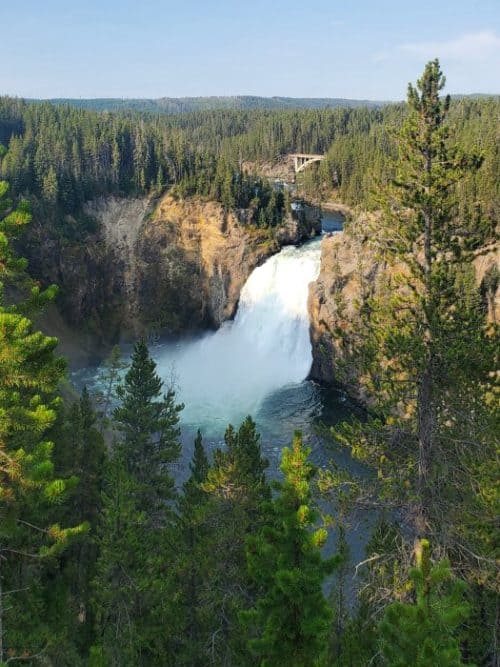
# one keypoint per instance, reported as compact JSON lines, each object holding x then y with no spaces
{"x":63,"y":156}
{"x":106,"y":562}
{"x":187,"y":104}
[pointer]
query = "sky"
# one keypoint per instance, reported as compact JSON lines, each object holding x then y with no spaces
{"x":361,"y":49}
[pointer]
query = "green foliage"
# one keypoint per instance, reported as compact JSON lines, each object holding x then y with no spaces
{"x":291,"y":619}
{"x":123,"y":577}
{"x":220,"y":103}
{"x":193,"y":540}
{"x":11,"y":220}
{"x":110,"y":378}
{"x":133,"y":579}
{"x":148,"y":423}
{"x":64,"y":156}
{"x":424,"y":633}
{"x":30,"y":490}
{"x":425,"y":348}
{"x":353,"y":638}
{"x":83,"y":454}
{"x":220,"y":507}
{"x":79,"y":450}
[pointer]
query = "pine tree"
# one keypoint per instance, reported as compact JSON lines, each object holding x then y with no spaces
{"x":148,"y":423}
{"x":423,"y":633}
{"x":193,"y":491}
{"x":50,"y":188}
{"x":138,"y":524}
{"x":79,"y":451}
{"x":291,"y":619}
{"x":192,"y":533}
{"x":29,"y":377}
{"x":12,"y":219}
{"x":244,"y":456}
{"x":160,"y":180}
{"x":88,"y":454}
{"x":340,"y":647}
{"x":120,"y":601}
{"x":233,"y":507}
{"x":425,"y":349}
{"x":110,"y":377}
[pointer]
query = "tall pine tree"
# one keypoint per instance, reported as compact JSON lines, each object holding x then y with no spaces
{"x":148,"y":422}
{"x":425,"y":348}
{"x":79,"y":450}
{"x":137,"y":549}
{"x":121,"y":600}
{"x":192,"y":541}
{"x":30,"y":373}
{"x":236,"y":493}
{"x":291,"y":619}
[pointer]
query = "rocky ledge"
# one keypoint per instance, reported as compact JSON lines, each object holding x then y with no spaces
{"x":348,"y":277}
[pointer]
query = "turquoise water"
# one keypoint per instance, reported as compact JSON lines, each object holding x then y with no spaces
{"x":257,"y":364}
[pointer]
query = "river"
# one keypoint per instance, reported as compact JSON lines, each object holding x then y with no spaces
{"x":257,"y":364}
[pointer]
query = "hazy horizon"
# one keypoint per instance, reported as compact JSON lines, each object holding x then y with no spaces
{"x":235,"y":96}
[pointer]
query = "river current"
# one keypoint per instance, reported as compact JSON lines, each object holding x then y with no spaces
{"x":258,"y":364}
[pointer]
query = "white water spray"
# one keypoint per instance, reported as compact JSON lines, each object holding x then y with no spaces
{"x":227,"y":374}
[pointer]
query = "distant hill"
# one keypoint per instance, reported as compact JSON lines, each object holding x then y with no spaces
{"x":186,"y":104}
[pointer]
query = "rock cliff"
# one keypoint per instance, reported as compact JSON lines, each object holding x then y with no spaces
{"x":156,"y":266}
{"x":191,"y":261}
{"x":349,"y":275}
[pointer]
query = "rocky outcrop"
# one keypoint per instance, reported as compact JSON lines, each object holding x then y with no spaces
{"x":487,"y":266}
{"x":87,"y":270}
{"x":155,"y":266}
{"x":192,"y":260}
{"x":349,"y":275}
{"x":184,"y":262}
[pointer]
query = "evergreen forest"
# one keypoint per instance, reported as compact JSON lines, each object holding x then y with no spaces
{"x":106,"y":560}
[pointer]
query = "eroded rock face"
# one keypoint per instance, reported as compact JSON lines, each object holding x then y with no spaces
{"x":157,"y":266}
{"x":184,"y":262}
{"x":192,"y":260}
{"x":349,"y":276}
{"x":87,"y":270}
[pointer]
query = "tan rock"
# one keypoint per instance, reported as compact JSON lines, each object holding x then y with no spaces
{"x":349,"y":275}
{"x":154,"y":267}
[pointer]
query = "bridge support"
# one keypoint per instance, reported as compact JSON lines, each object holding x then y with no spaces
{"x":303,"y":160}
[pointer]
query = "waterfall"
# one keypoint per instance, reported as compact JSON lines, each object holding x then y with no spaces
{"x":225,"y":375}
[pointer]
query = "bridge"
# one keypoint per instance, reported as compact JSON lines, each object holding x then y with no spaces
{"x":303,"y":160}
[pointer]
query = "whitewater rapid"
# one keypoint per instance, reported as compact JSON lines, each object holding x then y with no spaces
{"x":226,"y":375}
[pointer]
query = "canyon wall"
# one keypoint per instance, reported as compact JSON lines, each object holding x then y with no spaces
{"x":349,"y":275}
{"x":162,"y":266}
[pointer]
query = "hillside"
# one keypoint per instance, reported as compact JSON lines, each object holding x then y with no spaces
{"x":211,"y":103}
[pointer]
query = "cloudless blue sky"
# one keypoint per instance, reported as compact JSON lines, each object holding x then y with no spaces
{"x":303,"y":48}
